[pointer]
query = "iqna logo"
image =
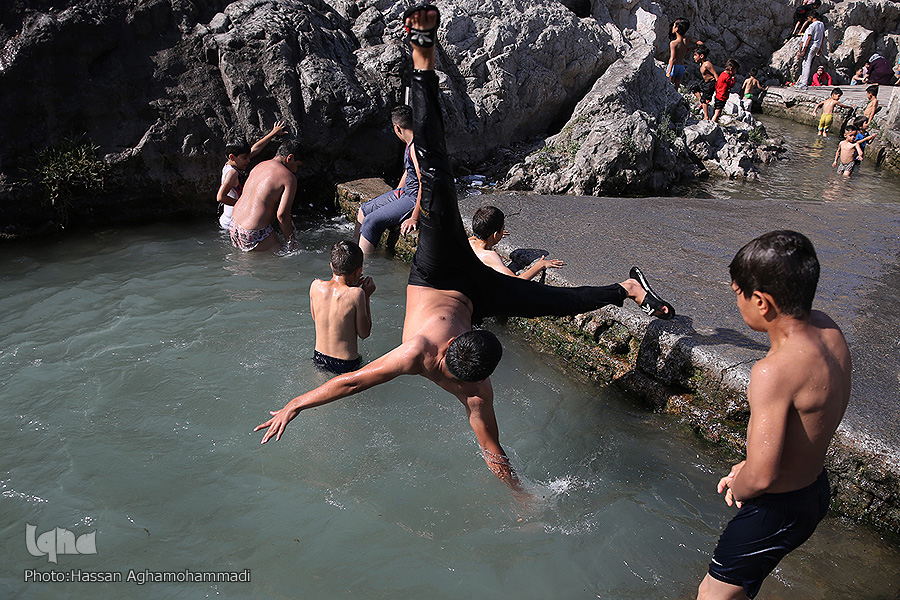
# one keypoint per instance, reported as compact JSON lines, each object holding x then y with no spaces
{"x":58,"y":541}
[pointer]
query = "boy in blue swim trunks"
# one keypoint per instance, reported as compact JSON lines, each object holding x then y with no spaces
{"x":678,"y":48}
{"x":340,"y":309}
{"x":449,"y":287}
{"x":798,"y":394}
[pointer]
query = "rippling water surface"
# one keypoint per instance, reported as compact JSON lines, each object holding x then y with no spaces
{"x":804,"y":172}
{"x":134,"y":364}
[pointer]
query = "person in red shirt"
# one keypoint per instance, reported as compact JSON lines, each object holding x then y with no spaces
{"x":723,"y":87}
{"x":821,"y":77}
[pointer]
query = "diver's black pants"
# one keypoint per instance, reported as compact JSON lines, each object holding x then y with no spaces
{"x":444,"y":259}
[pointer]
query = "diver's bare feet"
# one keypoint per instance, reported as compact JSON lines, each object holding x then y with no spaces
{"x":423,"y":19}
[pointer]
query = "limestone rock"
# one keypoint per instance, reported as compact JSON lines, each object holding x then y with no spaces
{"x":610,"y":144}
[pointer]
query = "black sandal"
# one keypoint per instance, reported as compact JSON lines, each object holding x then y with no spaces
{"x":652,"y":304}
{"x":423,"y":38}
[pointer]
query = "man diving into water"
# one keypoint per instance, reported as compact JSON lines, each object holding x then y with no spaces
{"x":449,"y":287}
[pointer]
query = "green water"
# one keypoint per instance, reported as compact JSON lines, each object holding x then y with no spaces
{"x":134,"y":364}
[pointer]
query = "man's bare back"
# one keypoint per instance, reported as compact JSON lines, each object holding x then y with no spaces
{"x":342,"y":315}
{"x":268,"y":195}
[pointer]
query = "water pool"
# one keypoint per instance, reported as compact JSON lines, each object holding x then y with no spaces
{"x":136,"y":362}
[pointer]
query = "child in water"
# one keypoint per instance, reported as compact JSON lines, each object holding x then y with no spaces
{"x":848,"y":153}
{"x":340,"y":309}
{"x":828,"y":107}
{"x":239,"y":155}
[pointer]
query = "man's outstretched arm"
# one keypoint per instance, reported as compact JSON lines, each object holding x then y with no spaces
{"x":480,"y":410}
{"x":405,"y":359}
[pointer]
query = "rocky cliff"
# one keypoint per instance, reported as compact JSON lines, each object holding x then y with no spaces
{"x":158,"y":86}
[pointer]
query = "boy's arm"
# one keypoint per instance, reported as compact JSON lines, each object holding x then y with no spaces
{"x":819,"y":105}
{"x":493,"y":260}
{"x":770,"y":397}
{"x":363,"y":309}
{"x":277,"y":129}
{"x":230,"y":182}
{"x":539,"y":266}
{"x":284,"y":212}
{"x":412,"y":223}
{"x":837,"y":154}
{"x":402,"y":360}
{"x":859,"y":150}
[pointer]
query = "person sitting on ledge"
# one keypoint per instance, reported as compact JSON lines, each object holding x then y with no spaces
{"x":449,"y":287}
{"x":488,"y":227}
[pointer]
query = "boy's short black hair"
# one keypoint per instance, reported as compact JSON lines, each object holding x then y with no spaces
{"x":860,"y":121}
{"x":474,"y":355}
{"x":346,"y":257}
{"x":487,"y":221}
{"x":872,"y":89}
{"x":401,"y":116}
{"x":237,"y":147}
{"x":703,"y":51}
{"x":782,"y":264}
{"x":290,"y":146}
{"x":733,"y":64}
{"x":754,"y":71}
{"x":813,"y":14}
{"x":837,"y":91}
{"x":682,"y":25}
{"x":851,"y":127}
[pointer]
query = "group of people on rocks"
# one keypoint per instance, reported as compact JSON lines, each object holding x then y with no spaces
{"x":717,"y":86}
{"x":797,"y":393}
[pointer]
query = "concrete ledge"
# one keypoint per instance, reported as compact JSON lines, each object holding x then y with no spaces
{"x":696,"y":373}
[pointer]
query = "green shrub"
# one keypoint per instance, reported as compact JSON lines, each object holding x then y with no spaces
{"x":69,"y":170}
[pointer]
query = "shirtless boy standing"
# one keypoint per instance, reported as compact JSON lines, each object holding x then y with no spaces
{"x":828,"y":105}
{"x":705,"y":89}
{"x":678,"y":48}
{"x":449,"y":287}
{"x":797,"y":393}
{"x":872,"y":106}
{"x":268,"y":195}
{"x":340,"y":309}
{"x":488,"y":227}
{"x":849,"y":152}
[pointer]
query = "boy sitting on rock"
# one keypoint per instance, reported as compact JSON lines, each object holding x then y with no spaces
{"x":798,"y":394}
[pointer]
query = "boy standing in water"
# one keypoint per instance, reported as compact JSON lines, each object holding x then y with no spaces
{"x":849,"y":152}
{"x":340,"y":309}
{"x":678,"y":48}
{"x":798,"y":394}
{"x":828,"y":110}
{"x":239,"y":157}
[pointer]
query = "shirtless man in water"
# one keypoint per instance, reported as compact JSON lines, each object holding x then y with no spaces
{"x":449,"y":287}
{"x":798,"y":394}
{"x":268,"y":194}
